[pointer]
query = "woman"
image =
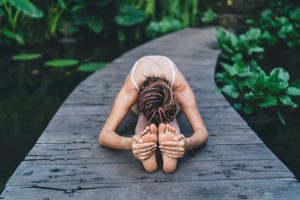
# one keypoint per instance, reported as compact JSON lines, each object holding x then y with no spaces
{"x":155,"y":90}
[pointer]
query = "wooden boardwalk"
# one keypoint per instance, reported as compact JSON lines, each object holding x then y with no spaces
{"x":67,"y":162}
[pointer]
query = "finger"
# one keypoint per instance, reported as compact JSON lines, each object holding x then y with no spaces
{"x":137,"y":139}
{"x":173,"y":156}
{"x":178,"y":149}
{"x":170,"y":152}
{"x":170,"y":144}
{"x":144,"y":157}
{"x":145,"y":145}
{"x":151,"y":148}
{"x":178,"y":137}
{"x":149,"y":153}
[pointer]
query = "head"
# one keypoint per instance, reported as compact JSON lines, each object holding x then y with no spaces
{"x":156,"y":100}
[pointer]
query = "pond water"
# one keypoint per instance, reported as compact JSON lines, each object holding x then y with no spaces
{"x":31,"y":93}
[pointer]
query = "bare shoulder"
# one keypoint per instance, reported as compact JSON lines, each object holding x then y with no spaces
{"x":180,"y":83}
{"x":128,"y":85}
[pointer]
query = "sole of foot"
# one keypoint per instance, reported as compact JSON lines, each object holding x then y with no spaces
{"x":166,"y":133}
{"x":149,"y":134}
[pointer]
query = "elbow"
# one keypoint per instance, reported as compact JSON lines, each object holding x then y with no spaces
{"x":101,"y":140}
{"x":205,"y":136}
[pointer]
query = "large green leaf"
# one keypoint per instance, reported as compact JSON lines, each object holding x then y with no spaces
{"x":255,"y":49}
{"x":61,"y":63}
{"x":129,"y":16}
{"x":209,"y":16}
{"x":228,"y":68}
{"x":295,"y":14}
{"x":91,"y":67}
{"x":287,"y":101}
{"x":247,"y":109}
{"x":166,"y":25}
{"x":280,"y":73}
{"x":26,"y":56}
{"x":96,"y":25}
{"x":231,"y":91}
{"x":15,"y":36}
{"x":293,"y":91}
{"x":253,"y":33}
{"x":26,"y":7}
{"x":269,"y":101}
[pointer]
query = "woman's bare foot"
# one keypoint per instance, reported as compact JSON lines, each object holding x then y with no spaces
{"x":166,"y":133}
{"x":149,"y":134}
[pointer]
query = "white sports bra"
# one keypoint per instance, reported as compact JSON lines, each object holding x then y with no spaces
{"x":172,"y":65}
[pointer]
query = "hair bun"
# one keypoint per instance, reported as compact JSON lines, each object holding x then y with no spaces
{"x":157,"y":101}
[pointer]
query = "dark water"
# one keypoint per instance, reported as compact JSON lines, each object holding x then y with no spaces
{"x":31,"y":93}
{"x":283,"y":140}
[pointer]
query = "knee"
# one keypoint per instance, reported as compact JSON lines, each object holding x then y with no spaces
{"x":169,"y":168}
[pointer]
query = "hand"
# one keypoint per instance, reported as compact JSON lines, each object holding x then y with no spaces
{"x":174,"y":149}
{"x":140,"y":150}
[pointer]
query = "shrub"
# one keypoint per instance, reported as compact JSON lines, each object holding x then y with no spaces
{"x":253,"y":90}
{"x":247,"y":44}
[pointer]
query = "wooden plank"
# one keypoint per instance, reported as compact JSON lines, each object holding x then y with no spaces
{"x":191,"y":190}
{"x":91,"y":153}
{"x":28,"y":173}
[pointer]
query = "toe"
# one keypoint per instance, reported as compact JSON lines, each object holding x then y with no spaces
{"x":174,"y":130}
{"x":167,"y":127}
{"x":162,"y":128}
{"x":153,"y":129}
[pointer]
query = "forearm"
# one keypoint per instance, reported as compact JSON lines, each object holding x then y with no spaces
{"x":112,"y":140}
{"x":198,"y":139}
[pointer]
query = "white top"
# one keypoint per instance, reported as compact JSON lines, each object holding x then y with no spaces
{"x":172,"y":65}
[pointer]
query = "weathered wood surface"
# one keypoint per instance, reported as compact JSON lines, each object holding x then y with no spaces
{"x":67,"y":162}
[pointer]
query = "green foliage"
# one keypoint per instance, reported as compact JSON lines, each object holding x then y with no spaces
{"x":91,"y":67}
{"x":56,"y":9}
{"x":11,"y":10}
{"x":253,"y":90}
{"x":73,"y":18}
{"x":129,"y":15}
{"x":232,"y":45}
{"x":24,"y":6}
{"x":11,"y":35}
{"x":86,"y":14}
{"x":209,"y":16}
{"x":166,"y":25}
{"x":61,"y":63}
{"x":281,"y":27}
{"x":26,"y":56}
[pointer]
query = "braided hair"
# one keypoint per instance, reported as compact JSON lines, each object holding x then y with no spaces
{"x":156,"y":100}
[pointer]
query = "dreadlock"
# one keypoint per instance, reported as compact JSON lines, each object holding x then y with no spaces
{"x":156,"y":100}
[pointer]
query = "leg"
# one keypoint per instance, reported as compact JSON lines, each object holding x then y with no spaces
{"x":148,"y":134}
{"x":166,"y":132}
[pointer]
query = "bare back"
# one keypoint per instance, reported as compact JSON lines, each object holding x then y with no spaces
{"x":157,"y":65}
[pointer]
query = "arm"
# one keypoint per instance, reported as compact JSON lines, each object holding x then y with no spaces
{"x":186,"y":99}
{"x":190,"y":109}
{"x":109,"y":138}
{"x":123,"y":102}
